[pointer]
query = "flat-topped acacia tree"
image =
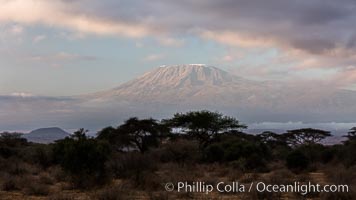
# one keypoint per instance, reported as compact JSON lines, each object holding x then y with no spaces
{"x":204,"y":125}
{"x":351,"y":135}
{"x":305,"y":136}
{"x":143,"y":133}
{"x":140,"y":134}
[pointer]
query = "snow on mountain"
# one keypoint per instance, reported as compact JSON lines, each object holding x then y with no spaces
{"x":182,"y":83}
{"x":178,"y":88}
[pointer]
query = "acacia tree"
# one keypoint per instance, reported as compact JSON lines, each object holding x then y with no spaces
{"x":9,"y":143}
{"x":80,"y":134}
{"x":142,"y":134}
{"x":351,"y":135}
{"x":82,"y":158}
{"x":271,"y":138}
{"x":12,"y":139}
{"x":117,"y":139}
{"x":305,"y":136}
{"x":204,"y":125}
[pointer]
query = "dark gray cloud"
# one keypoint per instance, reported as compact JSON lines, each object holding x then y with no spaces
{"x":314,"y":45}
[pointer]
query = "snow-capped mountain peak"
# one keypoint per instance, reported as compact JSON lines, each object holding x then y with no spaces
{"x":184,"y":75}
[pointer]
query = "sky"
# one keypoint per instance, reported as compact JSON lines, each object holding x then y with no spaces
{"x":70,"y":47}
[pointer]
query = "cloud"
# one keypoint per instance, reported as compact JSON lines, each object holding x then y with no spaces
{"x":171,"y":42}
{"x":227,"y":58}
{"x":22,"y":94}
{"x":59,"y":13}
{"x":236,"y":39}
{"x":39,"y":38}
{"x":154,"y":57}
{"x":345,"y":77}
{"x":310,"y":34}
{"x":11,"y":32}
{"x":139,"y":45}
{"x":313,"y":26}
{"x":16,"y":30}
{"x":61,"y":57}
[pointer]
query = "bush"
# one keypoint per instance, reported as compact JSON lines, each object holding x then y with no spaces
{"x":111,"y":193}
{"x":214,"y":153}
{"x":297,"y":161}
{"x":42,"y":155}
{"x":159,"y":196}
{"x":338,"y":196}
{"x":250,"y":154}
{"x":9,"y":184}
{"x":37,"y":188}
{"x":316,"y":152}
{"x":346,"y":153}
{"x":180,"y":151}
{"x":15,"y":167}
{"x":83,"y":159}
{"x":61,"y":196}
{"x":134,"y":166}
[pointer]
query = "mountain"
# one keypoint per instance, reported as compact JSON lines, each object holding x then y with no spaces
{"x":179,"y":88}
{"x":183,"y":84}
{"x":46,"y":135}
{"x":198,"y":86}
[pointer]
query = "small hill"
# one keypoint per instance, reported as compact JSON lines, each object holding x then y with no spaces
{"x":46,"y":135}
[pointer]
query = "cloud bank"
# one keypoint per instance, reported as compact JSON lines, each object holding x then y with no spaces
{"x":316,"y":27}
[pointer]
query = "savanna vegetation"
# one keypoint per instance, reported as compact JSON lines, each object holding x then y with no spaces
{"x":135,"y":159}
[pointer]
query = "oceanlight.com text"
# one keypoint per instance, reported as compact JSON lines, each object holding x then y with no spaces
{"x":236,"y":187}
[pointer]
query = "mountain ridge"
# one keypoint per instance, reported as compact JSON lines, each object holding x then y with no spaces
{"x":179,"y":81}
{"x":197,"y":86}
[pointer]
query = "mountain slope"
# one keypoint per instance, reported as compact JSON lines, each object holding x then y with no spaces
{"x":169,"y":89}
{"x":196,"y":86}
{"x":182,"y":84}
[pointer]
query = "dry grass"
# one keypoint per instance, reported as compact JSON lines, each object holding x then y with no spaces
{"x":111,"y":193}
{"x":22,"y":179}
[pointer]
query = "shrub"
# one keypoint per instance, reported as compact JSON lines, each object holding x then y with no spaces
{"x":61,"y":196}
{"x":110,"y":193}
{"x":37,"y":188}
{"x":338,"y":196}
{"x":9,"y":183}
{"x":83,"y":159}
{"x":180,"y":151}
{"x":316,"y":152}
{"x":249,"y":154}
{"x":214,"y":153}
{"x":297,"y":161}
{"x":7,"y":152}
{"x":17,"y":167}
{"x":46,"y":179}
{"x":159,"y":196}
{"x":42,"y":155}
{"x":133,"y":165}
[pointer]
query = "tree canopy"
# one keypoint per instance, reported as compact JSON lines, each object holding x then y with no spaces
{"x":82,"y":157}
{"x":138,"y":133}
{"x":351,"y":135}
{"x":204,"y":125}
{"x":305,"y":136}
